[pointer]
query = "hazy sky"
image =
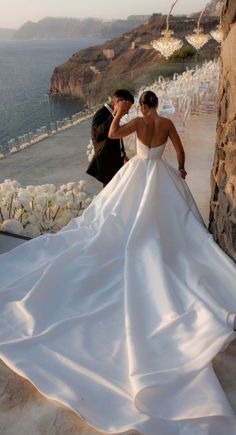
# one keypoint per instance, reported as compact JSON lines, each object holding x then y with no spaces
{"x":14,"y":13}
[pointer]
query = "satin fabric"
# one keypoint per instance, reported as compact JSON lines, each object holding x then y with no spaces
{"x":119,"y":315}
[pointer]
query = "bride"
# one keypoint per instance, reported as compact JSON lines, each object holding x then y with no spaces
{"x":119,"y":315}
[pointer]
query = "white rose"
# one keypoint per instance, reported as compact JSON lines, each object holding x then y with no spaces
{"x":38,"y":207}
{"x":71,"y":185}
{"x":23,"y":193}
{"x":52,"y":188}
{"x":25,"y":219}
{"x":33,"y":218}
{"x":5,"y":214}
{"x":31,"y":230}
{"x":15,"y":184}
{"x":63,"y":187}
{"x":48,"y":188}
{"x":7,"y":196}
{"x":12,"y":226}
{"x":38,"y":190}
{"x":17,"y":214}
{"x":48,"y":224}
{"x":70,"y":205}
{"x":24,"y":201}
{"x":82,"y":184}
{"x":82,"y":196}
{"x":60,"y":193}
{"x":60,"y":222}
{"x":40,"y":200}
{"x":30,"y":189}
{"x":37,"y":214}
{"x":66,"y":216}
{"x":50,"y":196}
{"x":60,"y":201}
{"x":69,"y":196}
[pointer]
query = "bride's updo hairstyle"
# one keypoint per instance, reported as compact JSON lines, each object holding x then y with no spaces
{"x":149,"y":98}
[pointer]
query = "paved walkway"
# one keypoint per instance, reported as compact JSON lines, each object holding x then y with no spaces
{"x":58,"y":159}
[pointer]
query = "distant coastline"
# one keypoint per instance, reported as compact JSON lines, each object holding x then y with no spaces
{"x":70,"y":28}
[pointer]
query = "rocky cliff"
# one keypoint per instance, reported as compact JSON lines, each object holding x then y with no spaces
{"x":96,"y":66}
{"x":223,"y":200}
{"x":215,"y":7}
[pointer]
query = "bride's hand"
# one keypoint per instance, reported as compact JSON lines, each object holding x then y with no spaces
{"x":121,"y":108}
{"x":183,"y":173}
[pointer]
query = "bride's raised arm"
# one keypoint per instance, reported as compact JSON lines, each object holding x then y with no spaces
{"x":118,"y":131}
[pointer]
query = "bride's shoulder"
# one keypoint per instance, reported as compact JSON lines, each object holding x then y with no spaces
{"x":165,"y":121}
{"x":139,"y":121}
{"x":163,"y":118}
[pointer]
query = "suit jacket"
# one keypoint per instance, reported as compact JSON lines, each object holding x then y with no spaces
{"x":107,"y":158}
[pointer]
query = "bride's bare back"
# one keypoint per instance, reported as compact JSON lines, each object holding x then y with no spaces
{"x":153,"y":132}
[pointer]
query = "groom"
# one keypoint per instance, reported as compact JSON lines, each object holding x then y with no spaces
{"x":109,"y":154}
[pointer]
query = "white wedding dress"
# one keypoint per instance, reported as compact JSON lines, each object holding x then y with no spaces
{"x":119,"y":315}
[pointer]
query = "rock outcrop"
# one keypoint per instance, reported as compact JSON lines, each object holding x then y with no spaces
{"x":90,"y":71}
{"x":215,"y":7}
{"x":223,"y":199}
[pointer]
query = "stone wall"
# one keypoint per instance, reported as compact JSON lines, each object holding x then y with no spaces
{"x":223,"y":199}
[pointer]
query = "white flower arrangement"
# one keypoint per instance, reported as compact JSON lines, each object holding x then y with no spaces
{"x":24,"y":145}
{"x":13,"y":150}
{"x":36,"y":210}
{"x":90,"y":151}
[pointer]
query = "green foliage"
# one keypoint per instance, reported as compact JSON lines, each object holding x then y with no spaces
{"x":165,"y":70}
{"x":185,"y":52}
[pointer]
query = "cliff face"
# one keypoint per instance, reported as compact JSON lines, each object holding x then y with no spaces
{"x":96,"y":66}
{"x":223,"y":200}
{"x":215,"y":7}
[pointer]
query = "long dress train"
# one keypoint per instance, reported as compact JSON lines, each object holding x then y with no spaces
{"x":119,"y":315}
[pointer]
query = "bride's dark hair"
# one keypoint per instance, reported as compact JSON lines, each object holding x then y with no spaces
{"x":149,"y":98}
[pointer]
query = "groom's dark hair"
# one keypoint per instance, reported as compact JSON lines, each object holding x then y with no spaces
{"x":124,"y":94}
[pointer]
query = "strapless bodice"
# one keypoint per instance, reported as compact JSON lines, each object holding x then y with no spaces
{"x":154,"y":153}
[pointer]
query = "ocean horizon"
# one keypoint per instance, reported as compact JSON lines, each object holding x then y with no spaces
{"x":25,"y":72}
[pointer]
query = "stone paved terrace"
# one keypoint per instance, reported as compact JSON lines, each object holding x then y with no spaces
{"x":60,"y":159}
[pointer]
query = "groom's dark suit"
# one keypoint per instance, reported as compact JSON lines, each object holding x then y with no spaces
{"x":108,"y":153}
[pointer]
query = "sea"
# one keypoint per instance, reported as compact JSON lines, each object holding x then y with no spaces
{"x":25,"y":71}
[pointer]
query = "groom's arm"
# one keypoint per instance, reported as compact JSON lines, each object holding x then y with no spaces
{"x":100,"y":126}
